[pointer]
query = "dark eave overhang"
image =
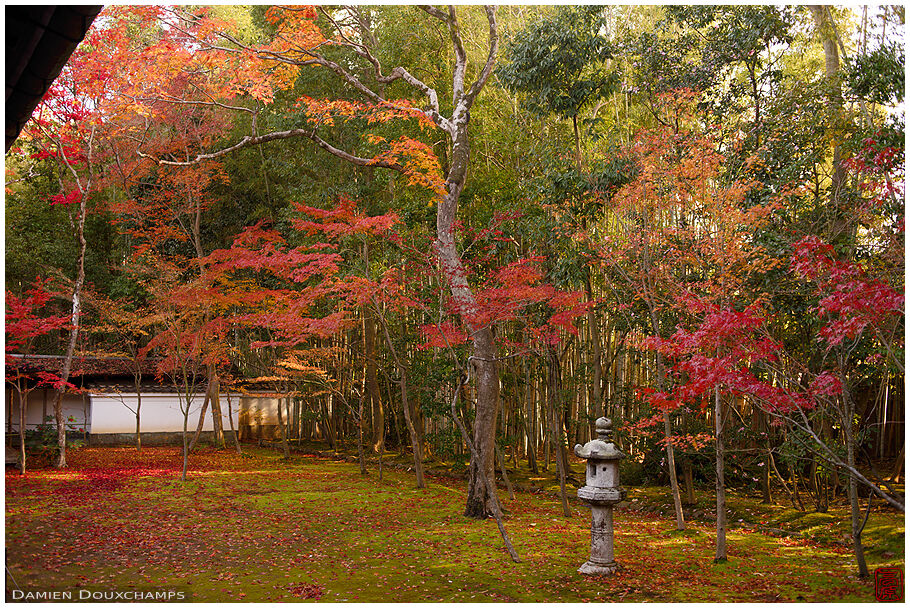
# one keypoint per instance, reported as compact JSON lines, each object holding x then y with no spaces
{"x":39,"y":40}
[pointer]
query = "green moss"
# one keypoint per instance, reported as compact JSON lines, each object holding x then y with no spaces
{"x":262,"y":529}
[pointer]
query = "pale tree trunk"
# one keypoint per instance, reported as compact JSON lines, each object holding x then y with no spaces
{"x":76,"y":314}
{"x":842,"y":225}
{"x":71,"y":343}
{"x":721,"y":550}
{"x":480,"y":502}
{"x":486,"y":368}
{"x":23,"y":407}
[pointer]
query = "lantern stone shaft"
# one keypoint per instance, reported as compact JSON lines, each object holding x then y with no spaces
{"x":601,"y":491}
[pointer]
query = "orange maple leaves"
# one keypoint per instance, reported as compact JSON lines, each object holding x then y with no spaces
{"x":419,"y":164}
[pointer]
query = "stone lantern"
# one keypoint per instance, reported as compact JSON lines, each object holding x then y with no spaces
{"x":601,"y":492}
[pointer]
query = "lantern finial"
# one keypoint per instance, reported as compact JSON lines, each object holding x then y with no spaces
{"x":604,"y":429}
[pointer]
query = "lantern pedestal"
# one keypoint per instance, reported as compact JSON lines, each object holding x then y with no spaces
{"x":601,"y":561}
{"x":601,"y":492}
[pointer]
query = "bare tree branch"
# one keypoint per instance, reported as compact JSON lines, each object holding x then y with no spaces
{"x":435,"y":12}
{"x":278,"y":135}
{"x":491,"y":57}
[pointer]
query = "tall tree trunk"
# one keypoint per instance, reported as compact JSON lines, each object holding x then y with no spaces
{"x":376,"y":410}
{"x":23,"y":408}
{"x":76,"y":314}
{"x":416,"y":440}
{"x":202,"y":412}
{"x":847,"y":421}
{"x":843,"y":224}
{"x":217,"y":419}
{"x":480,"y":503}
{"x":720,"y":554}
{"x":554,"y":391}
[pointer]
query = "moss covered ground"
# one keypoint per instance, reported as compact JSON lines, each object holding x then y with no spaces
{"x":261,"y":528}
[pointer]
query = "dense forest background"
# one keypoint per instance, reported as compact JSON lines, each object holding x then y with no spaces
{"x":688,"y":219}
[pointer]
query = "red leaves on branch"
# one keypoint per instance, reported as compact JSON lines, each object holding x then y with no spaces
{"x":23,"y":320}
{"x":24,"y":324}
{"x":345,"y":220}
{"x":850,"y":299}
{"x":516,"y":291}
{"x":442,"y":335}
{"x":74,"y":197}
{"x":310,"y":279}
{"x":880,"y":169}
{"x":721,"y":352}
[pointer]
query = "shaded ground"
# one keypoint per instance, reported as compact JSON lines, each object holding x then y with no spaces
{"x":260,"y":529}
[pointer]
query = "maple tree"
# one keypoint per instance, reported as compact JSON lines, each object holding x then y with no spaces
{"x":260,"y":70}
{"x":293,"y":312}
{"x":851,"y":305}
{"x":24,"y":324}
{"x":131,"y":321}
{"x":189,"y":341}
{"x":680,"y":230}
{"x":65,"y":130}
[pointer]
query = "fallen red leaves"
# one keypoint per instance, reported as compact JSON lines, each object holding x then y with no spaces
{"x":307,"y":591}
{"x":262,"y":528}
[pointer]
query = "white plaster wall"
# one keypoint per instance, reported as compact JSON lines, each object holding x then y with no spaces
{"x":73,"y":406}
{"x":257,"y":411}
{"x":160,"y":412}
{"x":108,"y":412}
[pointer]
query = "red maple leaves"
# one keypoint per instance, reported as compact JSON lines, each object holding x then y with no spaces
{"x":851,"y":300}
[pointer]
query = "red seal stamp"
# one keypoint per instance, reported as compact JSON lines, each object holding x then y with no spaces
{"x":889,"y":584}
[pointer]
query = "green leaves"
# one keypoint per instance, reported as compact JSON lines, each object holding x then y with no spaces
{"x":878,"y":76}
{"x":560,"y":63}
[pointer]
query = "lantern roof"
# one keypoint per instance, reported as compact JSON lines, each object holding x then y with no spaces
{"x":601,"y":448}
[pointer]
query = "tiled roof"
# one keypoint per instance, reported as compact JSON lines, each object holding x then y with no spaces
{"x":87,"y":367}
